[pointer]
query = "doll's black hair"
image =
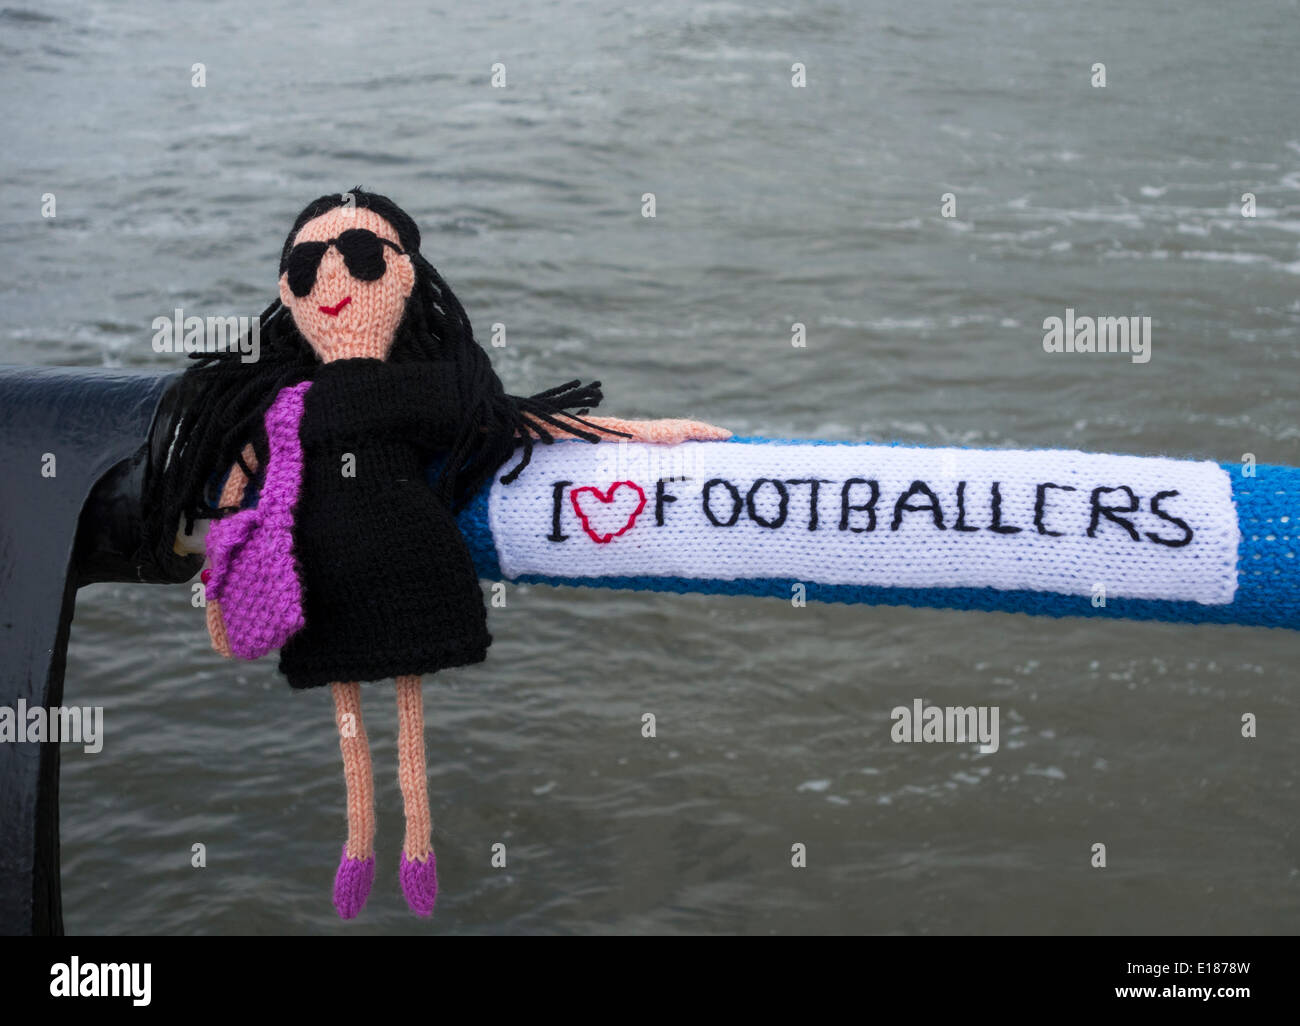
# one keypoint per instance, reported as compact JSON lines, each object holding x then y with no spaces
{"x":222,"y":401}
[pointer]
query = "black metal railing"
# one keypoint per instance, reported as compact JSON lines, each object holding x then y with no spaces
{"x":77,"y":446}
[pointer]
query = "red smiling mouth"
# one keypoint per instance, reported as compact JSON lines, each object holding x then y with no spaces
{"x":333,"y":311}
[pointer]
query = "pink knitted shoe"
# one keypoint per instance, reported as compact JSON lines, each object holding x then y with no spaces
{"x":420,"y":883}
{"x":352,"y":884}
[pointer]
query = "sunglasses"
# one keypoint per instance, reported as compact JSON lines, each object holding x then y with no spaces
{"x":362,"y":251}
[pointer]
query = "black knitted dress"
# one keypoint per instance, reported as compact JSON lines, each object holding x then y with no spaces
{"x":389,"y":588}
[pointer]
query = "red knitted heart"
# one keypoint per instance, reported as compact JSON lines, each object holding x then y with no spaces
{"x":606,"y":498}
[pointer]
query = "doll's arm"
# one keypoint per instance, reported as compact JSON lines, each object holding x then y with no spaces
{"x":662,"y":432}
{"x":231,"y":495}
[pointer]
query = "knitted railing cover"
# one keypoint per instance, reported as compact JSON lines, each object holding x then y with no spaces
{"x":1051,"y":532}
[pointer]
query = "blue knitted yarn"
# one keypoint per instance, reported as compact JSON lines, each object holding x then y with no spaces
{"x":1268,"y":568}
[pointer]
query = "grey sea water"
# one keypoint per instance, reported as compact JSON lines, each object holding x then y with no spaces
{"x":775,"y":205}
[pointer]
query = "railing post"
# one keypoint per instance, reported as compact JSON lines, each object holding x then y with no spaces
{"x":75,"y":446}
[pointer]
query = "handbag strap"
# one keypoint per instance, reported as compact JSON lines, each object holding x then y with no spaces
{"x":279,"y":491}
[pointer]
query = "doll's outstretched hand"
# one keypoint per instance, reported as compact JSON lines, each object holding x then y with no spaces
{"x":232,"y":496}
{"x":662,"y":432}
{"x":217,"y":629}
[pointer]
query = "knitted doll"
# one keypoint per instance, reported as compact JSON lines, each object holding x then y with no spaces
{"x":349,"y":558}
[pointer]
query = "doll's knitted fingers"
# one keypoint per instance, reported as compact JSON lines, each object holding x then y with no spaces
{"x":232,"y":494}
{"x":537,"y":430}
{"x":628,"y":427}
{"x":670,"y":431}
{"x":698,"y":431}
{"x":217,"y":629}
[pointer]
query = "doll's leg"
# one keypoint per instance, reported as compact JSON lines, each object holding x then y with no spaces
{"x":357,"y":867}
{"x":419,"y":873}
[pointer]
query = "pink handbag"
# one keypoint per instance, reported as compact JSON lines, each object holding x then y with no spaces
{"x":254,"y":574}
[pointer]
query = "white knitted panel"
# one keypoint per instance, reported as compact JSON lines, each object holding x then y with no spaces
{"x":917,"y":553}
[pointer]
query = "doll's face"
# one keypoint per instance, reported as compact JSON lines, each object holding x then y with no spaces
{"x":346,"y":284}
